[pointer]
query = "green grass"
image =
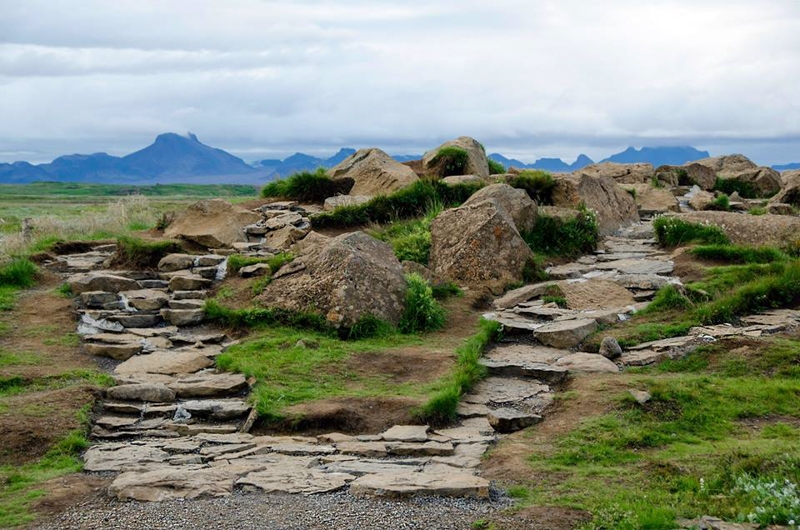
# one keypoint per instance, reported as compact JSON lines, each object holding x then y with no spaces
{"x":75,"y":189}
{"x":552,"y":236}
{"x":738,"y":254}
{"x":237,"y":261}
{"x":674,"y":232}
{"x":8,"y":297}
{"x":19,"y":273}
{"x":746,"y":190}
{"x":720,"y":204}
{"x":135,"y":252}
{"x":260,"y":317}
{"x":495,"y":167}
{"x":441,"y":407}
{"x":442,"y":291}
{"x":305,"y":186}
{"x":288,"y":374}
{"x":539,"y":185}
{"x":422,"y":312}
{"x":410,"y":239}
{"x":757,"y":210}
{"x":452,"y":160}
{"x":410,"y":202}
{"x":667,"y":298}
{"x":13,"y":385}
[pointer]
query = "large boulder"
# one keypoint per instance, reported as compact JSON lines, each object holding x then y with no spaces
{"x":689,"y":174}
{"x":478,"y":244}
{"x":344,"y":278}
{"x":651,"y":200}
{"x":728,"y":165}
{"x":213,"y":223}
{"x":790,"y":193}
{"x":615,"y":207}
{"x":621,"y":173}
{"x":477,"y":163}
{"x":373,"y":173}
{"x":101,"y":281}
{"x":517,"y":203}
{"x":764,"y":180}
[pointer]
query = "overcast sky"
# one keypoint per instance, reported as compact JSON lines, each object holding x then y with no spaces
{"x":528,"y":78}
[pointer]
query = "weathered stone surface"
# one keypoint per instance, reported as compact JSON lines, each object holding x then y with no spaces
{"x":331,"y":203}
{"x":120,"y":352}
{"x":406,"y":433}
{"x":136,"y":320}
{"x":516,"y":202}
{"x":615,"y":208}
{"x":166,"y":362}
{"x":499,"y":391}
{"x":478,"y":244}
{"x":188,"y":282}
{"x":257,"y":269}
{"x":183,"y":317}
{"x":457,"y":180}
{"x":374,"y":173}
{"x":150,"y":392}
{"x":477,"y":163}
{"x":610,"y":348}
{"x":643,"y":357}
{"x":565,"y":334}
{"x":186,"y":304}
{"x":208,"y":384}
{"x":146,"y":299}
{"x":587,"y":362}
{"x":176,"y":482}
{"x":651,"y":200}
{"x":640,"y":396}
{"x":116,"y":457}
{"x":621,"y":173}
{"x":517,"y":296}
{"x":98,"y":299}
{"x":420,"y":449}
{"x":213,"y":223}
{"x":638,"y":266}
{"x":507,"y":420}
{"x":399,"y":485}
{"x":727,"y":165}
{"x":690,"y":174}
{"x":100,"y":281}
{"x":345,"y":278}
{"x":189,"y":295}
{"x":756,"y":230}
{"x":175,"y":262}
{"x":368,"y":449}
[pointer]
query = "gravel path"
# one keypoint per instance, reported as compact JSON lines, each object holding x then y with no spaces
{"x":243,"y":511}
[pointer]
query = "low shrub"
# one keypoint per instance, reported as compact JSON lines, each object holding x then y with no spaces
{"x":19,"y":272}
{"x":539,"y":185}
{"x":452,"y":160}
{"x":369,"y":327}
{"x":255,"y":317}
{"x":410,"y":240}
{"x":136,"y":253}
{"x":445,"y":290}
{"x":237,"y":261}
{"x":667,"y":298}
{"x":495,"y":167}
{"x":552,"y":236}
{"x":411,"y":201}
{"x":441,"y":408}
{"x":757,"y":210}
{"x":674,"y":232}
{"x":305,"y":186}
{"x":720,"y":204}
{"x":746,"y":190}
{"x":422,"y":311}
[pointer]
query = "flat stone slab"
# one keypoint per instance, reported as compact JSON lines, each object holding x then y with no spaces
{"x":285,"y":478}
{"x":643,"y":357}
{"x":167,"y":362}
{"x":148,"y":392}
{"x":118,"y":456}
{"x":175,"y":482}
{"x":523,"y":294}
{"x":217,"y":409}
{"x":209,"y":384}
{"x":499,"y":391}
{"x":183,"y":317}
{"x":565,"y":334}
{"x":507,"y":420}
{"x":119,"y":352}
{"x":406,"y":433}
{"x":360,"y":467}
{"x":522,"y":368}
{"x":513,"y":323}
{"x":587,"y":363}
{"x":409,"y":484}
{"x":638,"y":266}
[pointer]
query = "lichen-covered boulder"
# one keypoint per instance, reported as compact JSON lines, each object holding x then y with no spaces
{"x":344,"y":279}
{"x":689,"y":174}
{"x":476,"y":163}
{"x":213,"y":223}
{"x":478,"y":244}
{"x":615,"y":207}
{"x":517,"y":203}
{"x":790,"y":193}
{"x":373,"y":173}
{"x":621,"y":173}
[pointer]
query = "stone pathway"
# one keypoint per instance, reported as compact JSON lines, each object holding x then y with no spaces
{"x":174,"y":427}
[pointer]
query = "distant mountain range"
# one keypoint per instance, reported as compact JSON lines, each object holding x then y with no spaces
{"x":787,"y":167}
{"x":174,"y":158}
{"x":658,"y":156}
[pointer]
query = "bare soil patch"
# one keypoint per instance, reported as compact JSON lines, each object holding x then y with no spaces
{"x":415,"y":364}
{"x":362,"y":415}
{"x":595,"y":294}
{"x":542,"y":518}
{"x":70,"y":490}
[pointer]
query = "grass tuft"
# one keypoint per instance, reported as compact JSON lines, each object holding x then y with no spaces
{"x":452,"y":160}
{"x":539,"y":185}
{"x":674,"y":232}
{"x":19,"y":273}
{"x":422,"y":311}
{"x":495,"y":167}
{"x":746,"y":190}
{"x":738,"y":254}
{"x":552,"y":236}
{"x":134,"y":252}
{"x":305,"y":186}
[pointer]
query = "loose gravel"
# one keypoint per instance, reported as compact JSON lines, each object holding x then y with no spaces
{"x":243,"y":511}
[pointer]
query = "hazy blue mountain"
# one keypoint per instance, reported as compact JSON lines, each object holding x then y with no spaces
{"x":787,"y":167}
{"x":406,"y":158}
{"x":555,"y":165}
{"x":303,"y":162}
{"x":21,"y":172}
{"x":340,"y":156}
{"x":81,"y":168}
{"x":658,"y":156}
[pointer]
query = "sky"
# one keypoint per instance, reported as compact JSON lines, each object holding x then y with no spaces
{"x":527,"y":78}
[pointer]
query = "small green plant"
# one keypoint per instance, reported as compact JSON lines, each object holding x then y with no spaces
{"x":631,"y":192}
{"x":64,"y":290}
{"x":746,"y":190}
{"x":738,"y":254}
{"x":720,"y":204}
{"x":674,"y":232}
{"x":422,"y":311}
{"x":411,"y":239}
{"x":539,"y":185}
{"x":452,"y":160}
{"x":305,"y":186}
{"x":757,"y":210}
{"x":134,"y":252}
{"x":775,"y":501}
{"x":552,"y":236}
{"x":259,"y":284}
{"x":495,"y":167}
{"x":445,"y":290}
{"x":237,"y":261}
{"x":683,"y":177}
{"x":667,"y":298}
{"x":19,"y":273}
{"x":370,"y":327}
